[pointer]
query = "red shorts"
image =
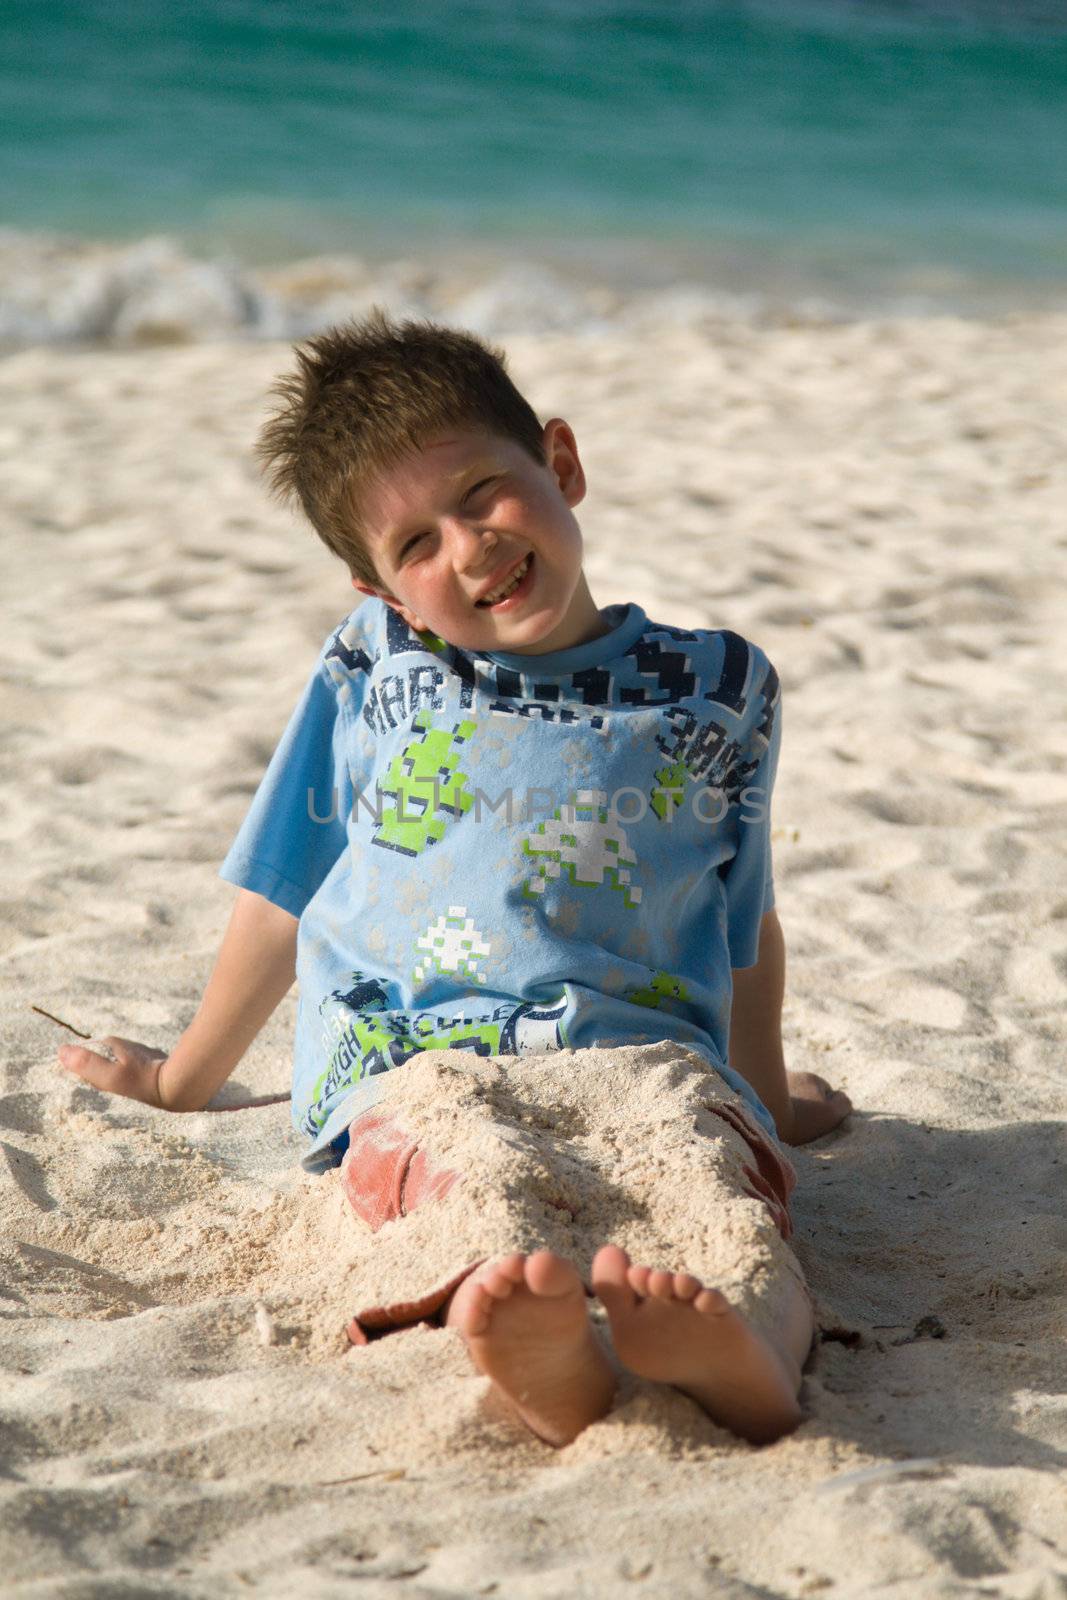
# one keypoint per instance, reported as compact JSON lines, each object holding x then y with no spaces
{"x":385,"y":1175}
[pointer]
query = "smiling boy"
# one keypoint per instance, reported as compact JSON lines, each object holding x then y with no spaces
{"x":503,"y":819}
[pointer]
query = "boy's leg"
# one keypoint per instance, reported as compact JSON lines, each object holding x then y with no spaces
{"x":741,"y":1362}
{"x":669,"y":1327}
{"x":385,"y":1175}
{"x":525,"y":1321}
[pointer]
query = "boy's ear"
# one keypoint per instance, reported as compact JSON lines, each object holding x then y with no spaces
{"x":413,"y":621}
{"x":561,"y":449}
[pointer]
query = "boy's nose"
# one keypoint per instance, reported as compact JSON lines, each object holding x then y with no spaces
{"x":474,"y":547}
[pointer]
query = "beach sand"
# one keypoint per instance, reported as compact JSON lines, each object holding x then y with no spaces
{"x":880,"y":507}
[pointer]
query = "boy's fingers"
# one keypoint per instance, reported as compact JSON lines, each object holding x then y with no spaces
{"x":128,"y":1068}
{"x":124,"y":1050}
{"x":86,"y":1064}
{"x":93,"y":1067}
{"x":130,"y":1052}
{"x":114,"y":1077}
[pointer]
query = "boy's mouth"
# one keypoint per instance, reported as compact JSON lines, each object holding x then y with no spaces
{"x":516,"y":585}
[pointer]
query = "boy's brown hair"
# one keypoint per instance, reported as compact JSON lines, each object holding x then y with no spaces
{"x":365,"y":395}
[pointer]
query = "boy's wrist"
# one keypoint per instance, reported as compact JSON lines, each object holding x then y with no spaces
{"x":183,"y":1078}
{"x":161,"y":1097}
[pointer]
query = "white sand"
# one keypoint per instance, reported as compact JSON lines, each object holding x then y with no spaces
{"x":881,"y":507}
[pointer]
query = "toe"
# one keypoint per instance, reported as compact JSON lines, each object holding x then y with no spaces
{"x":686,"y":1287}
{"x":513,"y":1266}
{"x":499,"y":1285}
{"x":610,"y":1264}
{"x":549,"y":1274}
{"x":638,"y":1277}
{"x":609,"y":1275}
{"x":479,"y":1311}
{"x":661,"y":1284}
{"x":711,"y":1302}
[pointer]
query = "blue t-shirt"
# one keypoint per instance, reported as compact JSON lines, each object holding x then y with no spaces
{"x":512,"y":853}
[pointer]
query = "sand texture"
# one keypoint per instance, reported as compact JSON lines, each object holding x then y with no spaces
{"x":881,"y":507}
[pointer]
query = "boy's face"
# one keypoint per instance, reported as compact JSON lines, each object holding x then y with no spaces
{"x":455,"y":520}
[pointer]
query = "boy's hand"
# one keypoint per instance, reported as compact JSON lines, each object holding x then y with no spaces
{"x":133,"y":1073}
{"x":816,"y":1106}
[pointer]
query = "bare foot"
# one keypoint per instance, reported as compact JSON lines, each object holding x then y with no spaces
{"x":526,"y":1324}
{"x":668,"y":1327}
{"x":815,"y":1107}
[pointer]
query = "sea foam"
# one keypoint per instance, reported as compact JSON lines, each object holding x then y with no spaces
{"x":60,"y":289}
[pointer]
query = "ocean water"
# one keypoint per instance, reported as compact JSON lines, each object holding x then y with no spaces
{"x":836,"y":154}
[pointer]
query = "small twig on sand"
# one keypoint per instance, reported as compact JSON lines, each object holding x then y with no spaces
{"x":390,"y":1474}
{"x":62,"y":1024}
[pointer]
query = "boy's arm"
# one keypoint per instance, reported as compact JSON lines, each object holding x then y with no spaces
{"x":756,"y":1025}
{"x":802,"y":1104}
{"x":253,"y":971}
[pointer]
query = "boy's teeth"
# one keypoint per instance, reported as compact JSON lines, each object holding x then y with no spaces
{"x":506,"y":588}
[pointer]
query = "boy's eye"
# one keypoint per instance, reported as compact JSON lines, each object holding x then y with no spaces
{"x":416,"y":538}
{"x":411,"y":543}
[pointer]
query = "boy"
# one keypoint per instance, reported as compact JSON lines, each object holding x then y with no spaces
{"x":504,"y":820}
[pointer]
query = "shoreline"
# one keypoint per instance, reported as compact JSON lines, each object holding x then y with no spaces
{"x":62,"y":289}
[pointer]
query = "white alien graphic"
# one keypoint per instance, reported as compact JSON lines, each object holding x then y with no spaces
{"x":586,"y":842}
{"x":453,"y":947}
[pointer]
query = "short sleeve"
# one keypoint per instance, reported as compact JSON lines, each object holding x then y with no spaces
{"x":749,"y":878}
{"x":295,"y":828}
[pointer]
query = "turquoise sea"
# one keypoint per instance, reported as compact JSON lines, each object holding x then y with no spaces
{"x":911,"y":152}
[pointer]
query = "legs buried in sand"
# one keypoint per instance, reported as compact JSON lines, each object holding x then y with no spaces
{"x":525,"y":1316}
